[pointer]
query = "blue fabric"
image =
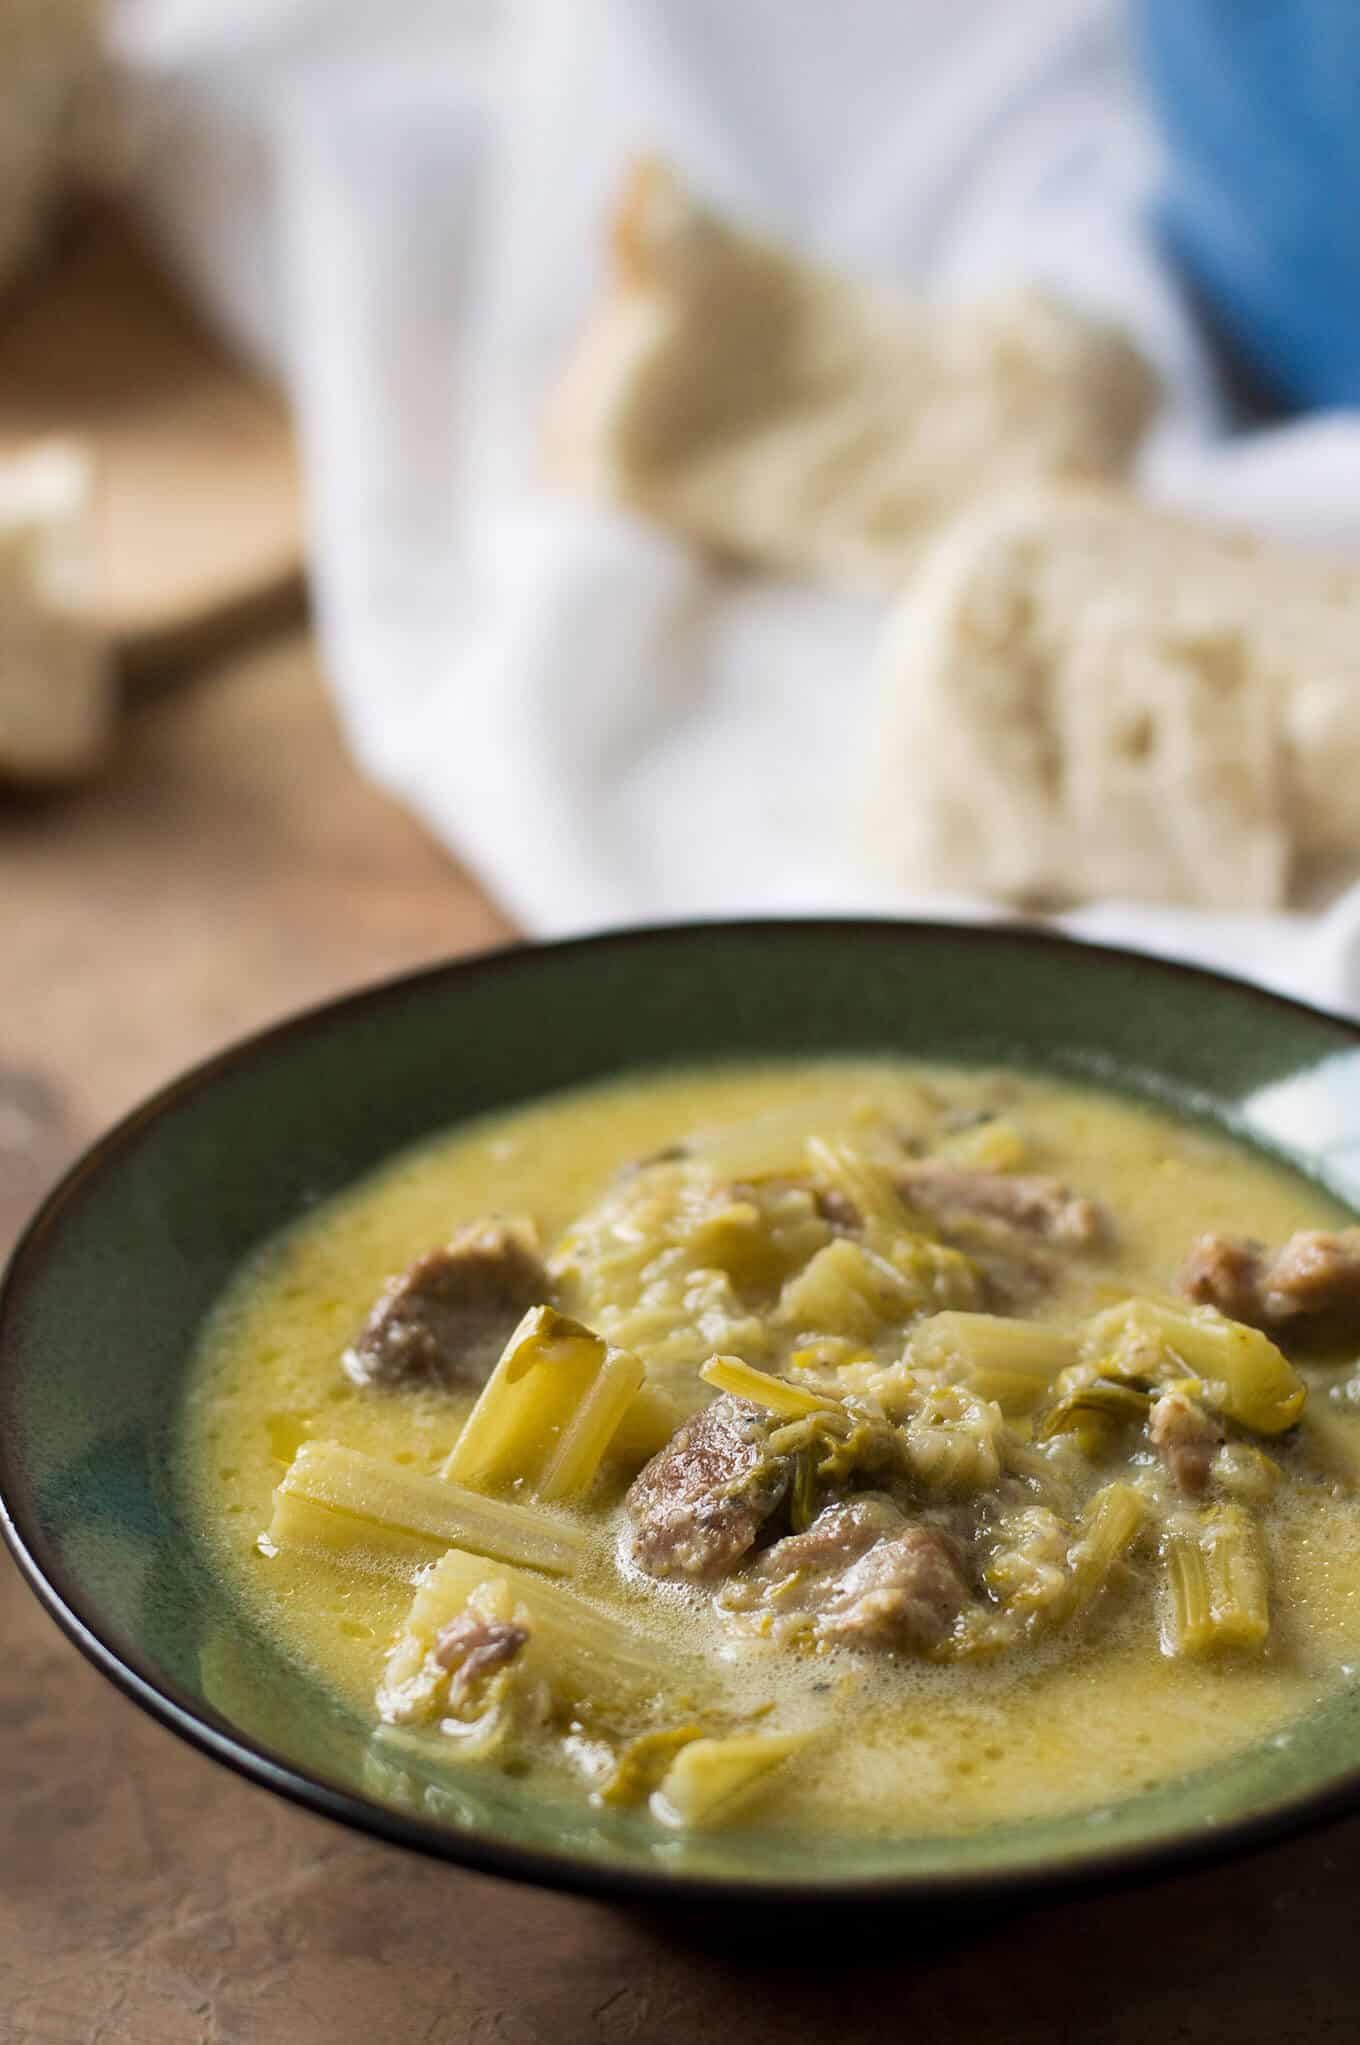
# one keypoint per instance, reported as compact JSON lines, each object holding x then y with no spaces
{"x":1259,"y":106}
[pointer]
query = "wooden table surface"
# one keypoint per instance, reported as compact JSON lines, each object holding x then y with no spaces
{"x":230,"y":868}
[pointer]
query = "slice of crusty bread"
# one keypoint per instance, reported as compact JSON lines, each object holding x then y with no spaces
{"x":780,"y":413}
{"x":1083,"y":695}
{"x":57,"y":698}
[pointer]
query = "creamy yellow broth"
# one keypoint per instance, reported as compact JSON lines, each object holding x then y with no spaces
{"x":904,"y":1746}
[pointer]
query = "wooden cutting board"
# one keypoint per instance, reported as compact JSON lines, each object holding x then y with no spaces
{"x":199,"y":526}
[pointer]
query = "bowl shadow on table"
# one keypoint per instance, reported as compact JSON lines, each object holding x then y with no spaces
{"x":1258,"y":1950}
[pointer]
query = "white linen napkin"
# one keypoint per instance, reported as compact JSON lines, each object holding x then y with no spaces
{"x":608,"y":728}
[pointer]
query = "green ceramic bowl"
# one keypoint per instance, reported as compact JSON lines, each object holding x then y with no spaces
{"x":108,"y":1288}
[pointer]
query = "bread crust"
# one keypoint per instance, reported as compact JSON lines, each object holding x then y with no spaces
{"x":772,"y":410}
{"x":1087,"y":696}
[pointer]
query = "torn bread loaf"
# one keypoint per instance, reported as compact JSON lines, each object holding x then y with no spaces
{"x":57,"y":698}
{"x":1082,"y":695}
{"x":794,"y":418}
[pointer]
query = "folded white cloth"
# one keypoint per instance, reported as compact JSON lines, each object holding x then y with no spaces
{"x":606,"y":727}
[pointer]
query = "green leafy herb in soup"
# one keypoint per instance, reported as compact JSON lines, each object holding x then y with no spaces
{"x":853,"y":1445}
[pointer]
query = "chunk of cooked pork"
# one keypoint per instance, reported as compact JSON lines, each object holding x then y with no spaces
{"x":700,"y":1502}
{"x":868,"y":1577}
{"x":446,"y":1320}
{"x":1187,"y":1439}
{"x":472,"y":1647}
{"x":1225,"y":1272}
{"x":1317,"y":1272}
{"x":1042,"y":1206}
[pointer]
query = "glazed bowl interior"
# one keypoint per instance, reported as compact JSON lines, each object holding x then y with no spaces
{"x":107,"y":1292}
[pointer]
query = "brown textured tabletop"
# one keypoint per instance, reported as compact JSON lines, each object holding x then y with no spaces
{"x":231,"y":867}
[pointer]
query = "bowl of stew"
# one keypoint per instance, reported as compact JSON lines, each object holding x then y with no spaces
{"x":795,"y":1410}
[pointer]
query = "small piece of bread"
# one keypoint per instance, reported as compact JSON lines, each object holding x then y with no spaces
{"x":797,"y":419}
{"x":1082,"y":695}
{"x":57,"y":698}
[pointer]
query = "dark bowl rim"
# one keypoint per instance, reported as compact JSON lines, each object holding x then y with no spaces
{"x":123,"y":1664}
